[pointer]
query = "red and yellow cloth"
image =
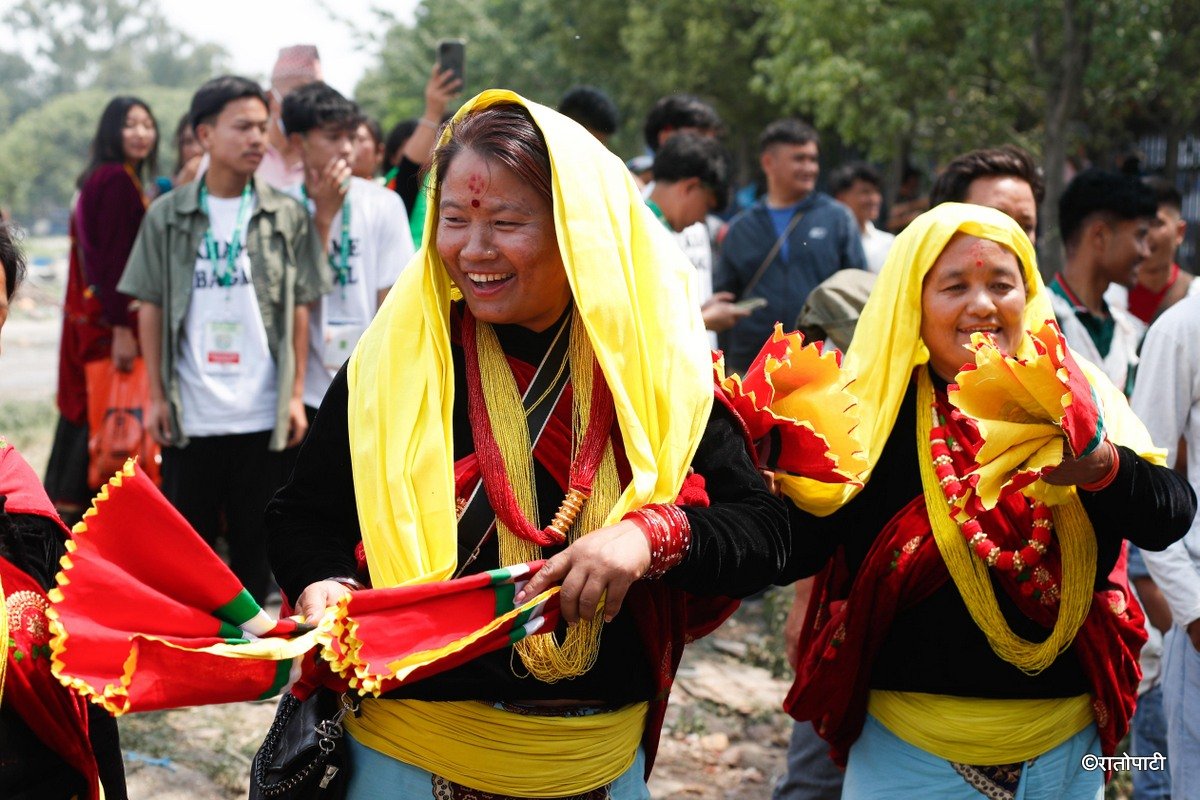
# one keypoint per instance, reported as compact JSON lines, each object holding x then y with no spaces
{"x":57,"y":716}
{"x":147,"y":617}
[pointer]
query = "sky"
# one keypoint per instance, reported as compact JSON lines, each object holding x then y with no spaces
{"x":254,"y":30}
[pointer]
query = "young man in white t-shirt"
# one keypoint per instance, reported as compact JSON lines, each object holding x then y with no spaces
{"x":224,"y":269}
{"x":360,"y":222}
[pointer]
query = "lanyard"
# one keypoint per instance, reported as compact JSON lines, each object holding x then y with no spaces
{"x":340,"y":265}
{"x":225,"y":276}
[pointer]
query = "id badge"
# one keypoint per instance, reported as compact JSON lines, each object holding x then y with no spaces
{"x":340,"y":338}
{"x":224,"y":347}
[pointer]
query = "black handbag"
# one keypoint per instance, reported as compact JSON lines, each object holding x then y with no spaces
{"x":304,"y":754}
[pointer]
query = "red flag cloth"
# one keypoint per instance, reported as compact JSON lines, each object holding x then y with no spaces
{"x":56,"y":716}
{"x":147,"y":617}
{"x":789,"y":393}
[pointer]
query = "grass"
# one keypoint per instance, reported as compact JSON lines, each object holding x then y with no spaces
{"x":29,"y":426}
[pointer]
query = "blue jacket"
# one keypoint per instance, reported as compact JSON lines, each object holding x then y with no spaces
{"x":825,"y":240}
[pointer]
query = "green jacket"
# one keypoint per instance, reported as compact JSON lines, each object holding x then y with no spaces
{"x":285,"y":269}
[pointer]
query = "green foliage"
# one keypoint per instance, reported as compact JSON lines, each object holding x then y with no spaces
{"x":47,"y":148}
{"x":506,"y":48}
{"x":110,"y":44}
{"x":85,"y":51}
{"x":635,"y":50}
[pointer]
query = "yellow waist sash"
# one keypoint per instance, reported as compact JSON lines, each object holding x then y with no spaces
{"x":486,"y":748}
{"x":980,"y":731}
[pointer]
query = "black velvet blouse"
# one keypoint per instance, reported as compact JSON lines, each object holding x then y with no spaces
{"x":739,"y":544}
{"x":935,"y":646}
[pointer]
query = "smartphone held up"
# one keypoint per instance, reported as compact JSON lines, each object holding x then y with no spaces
{"x":452,"y":55}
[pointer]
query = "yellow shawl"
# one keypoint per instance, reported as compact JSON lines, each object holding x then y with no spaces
{"x":631,"y":287}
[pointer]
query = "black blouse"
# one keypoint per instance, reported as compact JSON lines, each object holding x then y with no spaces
{"x":935,"y":646}
{"x":739,"y":544}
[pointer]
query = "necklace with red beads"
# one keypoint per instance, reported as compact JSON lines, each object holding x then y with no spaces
{"x":1025,"y":562}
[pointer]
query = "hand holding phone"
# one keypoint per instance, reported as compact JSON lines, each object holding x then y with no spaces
{"x":751,"y":303}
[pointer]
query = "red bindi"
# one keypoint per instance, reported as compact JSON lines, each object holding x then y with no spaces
{"x":979,"y":263}
{"x":474,"y":204}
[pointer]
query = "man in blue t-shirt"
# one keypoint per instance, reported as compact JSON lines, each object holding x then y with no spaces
{"x":783,"y":246}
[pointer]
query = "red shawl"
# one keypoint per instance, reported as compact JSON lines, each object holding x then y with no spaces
{"x":57,"y":716}
{"x":848,"y":620}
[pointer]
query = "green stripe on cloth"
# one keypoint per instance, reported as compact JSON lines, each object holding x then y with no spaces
{"x":516,"y":634}
{"x":1099,"y":437}
{"x":504,"y":598}
{"x":283,"y":670}
{"x":227,"y":631}
{"x":241,"y":608}
{"x":502,"y":575}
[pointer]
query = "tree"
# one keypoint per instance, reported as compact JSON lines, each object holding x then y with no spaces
{"x":110,"y":44}
{"x":941,"y":77}
{"x":507,"y":47}
{"x":635,"y":50}
{"x":51,"y":145}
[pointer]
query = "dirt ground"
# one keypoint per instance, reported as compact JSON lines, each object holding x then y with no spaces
{"x":725,"y":735}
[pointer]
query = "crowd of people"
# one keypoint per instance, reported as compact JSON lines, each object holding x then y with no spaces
{"x":483,"y":340}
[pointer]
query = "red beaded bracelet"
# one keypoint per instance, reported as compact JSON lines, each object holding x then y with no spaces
{"x":1109,"y":476}
{"x":668,"y":532}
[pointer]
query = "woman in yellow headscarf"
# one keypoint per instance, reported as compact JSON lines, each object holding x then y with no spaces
{"x":984,"y":649}
{"x":565,"y":399}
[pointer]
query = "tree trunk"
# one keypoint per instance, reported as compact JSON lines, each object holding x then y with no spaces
{"x":1065,"y":91}
{"x":1171,"y":159}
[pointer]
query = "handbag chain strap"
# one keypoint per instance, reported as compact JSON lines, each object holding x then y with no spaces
{"x":329,"y":730}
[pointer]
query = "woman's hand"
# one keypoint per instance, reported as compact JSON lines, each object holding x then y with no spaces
{"x":317,"y":597}
{"x":604,"y":563}
{"x":1089,"y":469}
{"x":124,"y":348}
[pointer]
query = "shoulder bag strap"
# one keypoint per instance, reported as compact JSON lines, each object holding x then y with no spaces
{"x":774,"y":251}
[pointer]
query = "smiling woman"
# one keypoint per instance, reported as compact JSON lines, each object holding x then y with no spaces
{"x":956,"y":648}
{"x":557,"y":411}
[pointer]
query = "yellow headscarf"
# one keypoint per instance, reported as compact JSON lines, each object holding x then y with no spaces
{"x":632,"y":290}
{"x":887,"y":343}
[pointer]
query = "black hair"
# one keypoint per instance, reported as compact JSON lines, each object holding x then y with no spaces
{"x":108,"y":144}
{"x":591,"y":108}
{"x":12,"y":257}
{"x":397,"y":137}
{"x":845,"y":177}
{"x":1098,"y":191}
{"x":185,"y":124}
{"x":504,"y":133}
{"x":690,"y":155}
{"x":954,"y":182}
{"x":211,"y":98}
{"x":1165,"y":193}
{"x":318,"y":105}
{"x":679,"y":111}
{"x":373,"y":128}
{"x":787,"y":131}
